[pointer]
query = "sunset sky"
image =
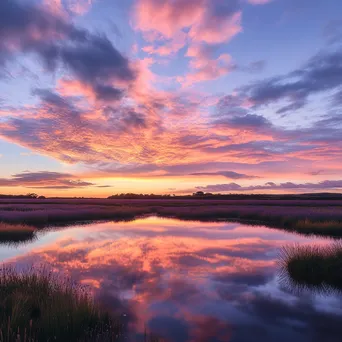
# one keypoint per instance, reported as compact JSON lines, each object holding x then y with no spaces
{"x":99,"y":97}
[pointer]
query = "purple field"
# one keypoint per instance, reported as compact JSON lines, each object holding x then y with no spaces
{"x":309,"y":216}
{"x":172,"y":202}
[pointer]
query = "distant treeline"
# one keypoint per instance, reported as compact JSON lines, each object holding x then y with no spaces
{"x":22,"y":196}
{"x":197,"y":195}
{"x":202,"y":195}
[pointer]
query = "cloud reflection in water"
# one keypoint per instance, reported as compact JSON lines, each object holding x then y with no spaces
{"x":192,"y":281}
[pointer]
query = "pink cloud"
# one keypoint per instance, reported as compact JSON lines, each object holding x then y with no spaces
{"x":200,"y":55}
{"x":169,"y":47}
{"x":209,"y":21}
{"x":170,"y":23}
{"x":167,"y":17}
{"x":216,"y":30}
{"x":211,"y":70}
{"x":80,"y":7}
{"x":55,"y":6}
{"x":204,"y":66}
{"x":64,"y":8}
{"x":259,"y":2}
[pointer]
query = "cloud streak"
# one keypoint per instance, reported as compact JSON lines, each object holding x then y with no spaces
{"x":227,"y":174}
{"x":319,"y":74}
{"x":324,"y":185}
{"x":44,"y":180}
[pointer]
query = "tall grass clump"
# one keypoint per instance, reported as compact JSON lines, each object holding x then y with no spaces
{"x":311,"y":267}
{"x":36,"y":306}
{"x":16,"y":233}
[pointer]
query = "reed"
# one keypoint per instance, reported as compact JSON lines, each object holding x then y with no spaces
{"x":37,"y":306}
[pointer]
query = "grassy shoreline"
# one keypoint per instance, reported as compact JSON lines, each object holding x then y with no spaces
{"x":313,"y":219}
{"x":16,"y":233}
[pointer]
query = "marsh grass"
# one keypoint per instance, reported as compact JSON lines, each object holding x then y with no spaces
{"x":304,"y":221}
{"x":331,"y":228}
{"x":323,"y":218}
{"x":16,"y":233}
{"x":37,"y":306}
{"x":318,"y":268}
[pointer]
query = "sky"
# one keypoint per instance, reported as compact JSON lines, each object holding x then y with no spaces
{"x":99,"y":97}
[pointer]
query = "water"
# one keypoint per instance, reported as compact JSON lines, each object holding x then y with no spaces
{"x":189,"y":281}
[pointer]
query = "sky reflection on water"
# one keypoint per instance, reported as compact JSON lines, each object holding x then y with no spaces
{"x":189,"y":281}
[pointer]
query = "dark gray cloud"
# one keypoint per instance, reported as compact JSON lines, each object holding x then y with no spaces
{"x":324,"y":185}
{"x":125,"y":119}
{"x":91,"y":58}
{"x":227,"y":174}
{"x":53,"y":100}
{"x":102,"y":92}
{"x":314,"y":140}
{"x":220,"y":187}
{"x":108,"y":93}
{"x":316,"y":173}
{"x":305,"y":321}
{"x":252,"y":278}
{"x":321,"y":73}
{"x":134,"y":119}
{"x":44,"y":180}
{"x":188,"y":260}
{"x":230,"y":105}
{"x":248,"y":121}
{"x":27,"y":25}
{"x":265,"y":149}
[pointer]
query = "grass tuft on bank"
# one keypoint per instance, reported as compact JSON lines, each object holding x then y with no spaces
{"x":16,"y":233}
{"x":312,"y":267}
